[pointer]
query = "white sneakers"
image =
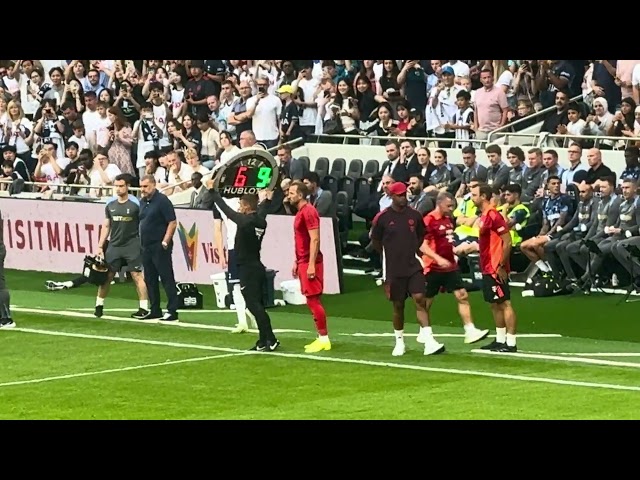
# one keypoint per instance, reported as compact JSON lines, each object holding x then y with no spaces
{"x":431,"y":347}
{"x":475,"y":335}
{"x":399,"y":349}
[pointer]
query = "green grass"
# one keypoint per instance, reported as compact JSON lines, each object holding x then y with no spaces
{"x":73,"y":374}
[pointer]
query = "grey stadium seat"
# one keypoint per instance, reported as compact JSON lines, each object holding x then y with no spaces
{"x":355,"y":169}
{"x":338,"y":168}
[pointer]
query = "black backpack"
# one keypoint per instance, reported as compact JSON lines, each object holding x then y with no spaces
{"x":190,"y":296}
{"x":548,"y":286}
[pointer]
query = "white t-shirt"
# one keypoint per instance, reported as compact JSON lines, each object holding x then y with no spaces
{"x":112,"y":171}
{"x":228,"y":154}
{"x":144,"y":146}
{"x":91,"y":122}
{"x":160,"y":119}
{"x":22,"y":125}
{"x":185,"y":174}
{"x":265,"y":117}
{"x":460,"y":69}
{"x":444,"y":111}
{"x":52,"y":177}
{"x":308,"y":87}
{"x":230,"y":226}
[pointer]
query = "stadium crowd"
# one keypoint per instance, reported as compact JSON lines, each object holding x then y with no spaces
{"x":83,"y":122}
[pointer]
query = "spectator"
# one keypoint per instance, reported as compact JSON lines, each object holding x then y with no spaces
{"x":292,"y":168}
{"x":318,"y":197}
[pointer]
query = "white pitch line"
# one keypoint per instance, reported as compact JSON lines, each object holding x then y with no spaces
{"x":403,"y":366}
{"x":120,"y":310}
{"x":123,"y":369}
{"x":454,"y":335}
{"x":204,"y":326}
{"x":539,"y":356}
{"x":587,"y":354}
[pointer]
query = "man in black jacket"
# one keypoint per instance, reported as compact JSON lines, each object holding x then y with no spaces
{"x":252,"y":226}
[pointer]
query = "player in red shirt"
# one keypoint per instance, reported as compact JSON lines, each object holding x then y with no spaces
{"x":308,"y":266}
{"x":441,"y":268}
{"x":397,"y":233}
{"x":495,"y":249}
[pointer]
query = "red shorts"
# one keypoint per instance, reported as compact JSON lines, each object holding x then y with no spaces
{"x":310,"y":287}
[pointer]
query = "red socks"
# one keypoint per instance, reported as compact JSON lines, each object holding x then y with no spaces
{"x":319,"y":315}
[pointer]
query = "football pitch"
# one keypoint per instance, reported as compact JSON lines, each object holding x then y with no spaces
{"x":579,"y":358}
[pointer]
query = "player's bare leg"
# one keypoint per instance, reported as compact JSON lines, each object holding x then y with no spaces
{"x":103,"y":291}
{"x":431,"y":346}
{"x":471,"y":333}
{"x":510,"y":320}
{"x":143,"y":295}
{"x":501,"y":327}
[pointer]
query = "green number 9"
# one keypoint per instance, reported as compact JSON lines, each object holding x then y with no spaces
{"x":264,"y":175}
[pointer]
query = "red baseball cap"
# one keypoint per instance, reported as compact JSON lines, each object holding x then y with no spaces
{"x":397,"y":188}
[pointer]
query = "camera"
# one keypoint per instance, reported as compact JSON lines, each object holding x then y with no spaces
{"x":262,"y":89}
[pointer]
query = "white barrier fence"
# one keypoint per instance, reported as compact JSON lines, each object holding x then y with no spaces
{"x":54,"y":236}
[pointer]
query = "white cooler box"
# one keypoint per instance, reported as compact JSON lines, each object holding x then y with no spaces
{"x":291,"y":292}
{"x":220,"y":289}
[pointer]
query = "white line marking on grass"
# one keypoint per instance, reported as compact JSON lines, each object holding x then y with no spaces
{"x":587,"y":354}
{"x":456,"y":335}
{"x":539,"y":356}
{"x":123,"y":369}
{"x":120,"y":310}
{"x":453,"y":371}
{"x":204,"y":326}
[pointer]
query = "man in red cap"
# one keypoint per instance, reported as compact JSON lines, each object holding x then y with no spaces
{"x":398,"y":233}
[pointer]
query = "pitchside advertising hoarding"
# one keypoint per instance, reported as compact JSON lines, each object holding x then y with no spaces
{"x":54,"y":236}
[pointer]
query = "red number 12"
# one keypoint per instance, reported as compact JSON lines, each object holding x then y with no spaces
{"x":241,"y":178}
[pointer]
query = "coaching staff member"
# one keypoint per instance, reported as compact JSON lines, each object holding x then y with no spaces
{"x":157,"y":226}
{"x":252,"y":274}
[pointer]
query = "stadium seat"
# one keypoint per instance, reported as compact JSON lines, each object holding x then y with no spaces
{"x":322,"y":167}
{"x":363,"y":190}
{"x":305,"y":161}
{"x":371,"y":168}
{"x":355,"y":169}
{"x":330,"y":183}
{"x":338,"y":168}
{"x":343,"y":214}
{"x":348,"y":185}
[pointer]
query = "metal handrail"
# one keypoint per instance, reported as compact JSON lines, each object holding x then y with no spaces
{"x":391,"y":137}
{"x":527,"y":118}
{"x":537,"y":138}
{"x":595,"y":138}
{"x":58,"y":190}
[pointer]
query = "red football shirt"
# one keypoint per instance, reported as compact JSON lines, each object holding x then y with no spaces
{"x":439,"y":236}
{"x":492,"y":226}
{"x":307,"y":218}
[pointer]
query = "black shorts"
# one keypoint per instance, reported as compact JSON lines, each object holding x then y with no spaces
{"x":494,"y":290}
{"x":129,"y":256}
{"x":447,"y":281}
{"x":232,"y":268}
{"x":399,"y":288}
